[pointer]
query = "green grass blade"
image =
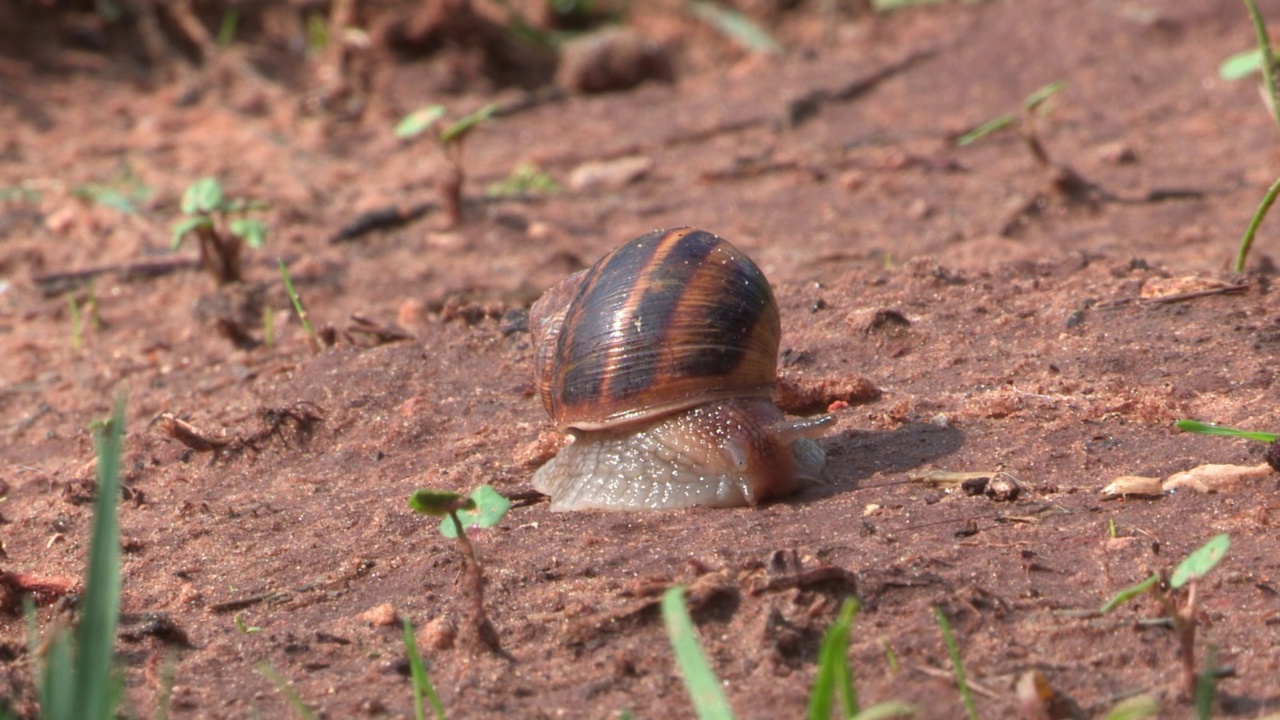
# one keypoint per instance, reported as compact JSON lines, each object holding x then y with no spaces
{"x":1206,"y":429}
{"x":58,"y":688}
{"x":704,"y":688}
{"x":1269,"y":66}
{"x":422,"y":686}
{"x":1037,"y":98}
{"x":1207,"y":685}
{"x":1246,"y":242}
{"x":96,"y":634}
{"x":1128,"y":594}
{"x":985,"y":129}
{"x":833,"y":669}
{"x":735,"y":26}
{"x":301,"y":311}
{"x":459,"y":130}
{"x":286,"y":689}
{"x":954,"y":650}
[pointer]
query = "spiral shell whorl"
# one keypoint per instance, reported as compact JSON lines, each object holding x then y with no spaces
{"x":667,"y":321}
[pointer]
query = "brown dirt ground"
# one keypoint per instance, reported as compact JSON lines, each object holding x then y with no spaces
{"x":1028,"y":351}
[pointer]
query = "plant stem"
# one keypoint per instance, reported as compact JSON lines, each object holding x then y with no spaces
{"x":481,"y":628}
{"x":1268,"y":58}
{"x":1247,"y":241}
{"x":1184,"y":625}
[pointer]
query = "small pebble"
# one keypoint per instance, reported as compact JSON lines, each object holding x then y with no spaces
{"x":383,"y":615}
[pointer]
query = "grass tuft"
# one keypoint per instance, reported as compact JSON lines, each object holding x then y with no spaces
{"x":961,"y":682}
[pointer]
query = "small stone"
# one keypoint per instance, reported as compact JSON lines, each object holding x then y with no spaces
{"x":411,"y":312}
{"x":438,"y":634}
{"x":383,"y":615}
{"x":1116,"y":153}
{"x":539,"y":451}
{"x":609,"y":174}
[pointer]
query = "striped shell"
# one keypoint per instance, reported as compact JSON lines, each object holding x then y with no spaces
{"x":673,"y":319}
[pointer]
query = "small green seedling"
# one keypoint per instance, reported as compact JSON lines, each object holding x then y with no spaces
{"x":244,"y":627}
{"x":1032,"y":105}
{"x":221,"y":226}
{"x":1273,"y":452}
{"x":1179,"y":607}
{"x":313,"y":342}
{"x":525,"y":179}
{"x":450,"y":138}
{"x":735,"y":26}
{"x":954,"y":650}
{"x":834,"y":676}
{"x":123,"y":192}
{"x":704,"y":689}
{"x":76,"y":680}
{"x":422,"y":687}
{"x":485,"y":508}
{"x":1270,"y":69}
{"x":287,"y":689}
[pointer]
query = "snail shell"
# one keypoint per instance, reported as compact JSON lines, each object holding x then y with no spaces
{"x":659,"y":362}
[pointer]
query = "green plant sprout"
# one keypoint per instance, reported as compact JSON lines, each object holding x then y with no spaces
{"x":422,"y":687}
{"x":123,"y":192}
{"x":451,"y":139}
{"x":221,"y":227}
{"x":1273,"y":452}
{"x":736,"y":26}
{"x":1268,"y":61}
{"x":953,"y":649}
{"x":244,"y":627}
{"x":525,"y":179}
{"x":1032,"y":105}
{"x":1179,"y":607}
{"x":312,"y":341}
{"x":485,"y":508}
{"x":76,"y":680}
{"x":709,"y":701}
{"x":286,"y":688}
{"x":78,"y":316}
{"x":1207,"y":429}
{"x":833,"y":678}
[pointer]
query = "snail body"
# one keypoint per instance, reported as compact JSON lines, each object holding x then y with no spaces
{"x":659,"y":361}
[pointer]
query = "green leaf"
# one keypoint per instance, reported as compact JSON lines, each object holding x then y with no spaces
{"x":438,"y":502}
{"x":487,"y":508}
{"x":957,"y":665}
{"x":833,"y":669}
{"x":1206,"y":429}
{"x":463,"y":127}
{"x":1241,"y":65}
{"x":1129,"y":593}
{"x":986,"y":129}
{"x":1035,"y":99}
{"x":251,"y":230}
{"x":1200,"y":562}
{"x":184,"y":226}
{"x":1137,"y":707}
{"x":422,"y":686}
{"x":736,"y":26}
{"x":96,"y":633}
{"x":204,"y":196}
{"x":708,"y":699}
{"x":418,"y":121}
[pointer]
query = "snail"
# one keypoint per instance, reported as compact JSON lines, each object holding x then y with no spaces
{"x":659,"y":362}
